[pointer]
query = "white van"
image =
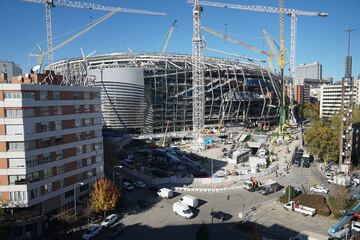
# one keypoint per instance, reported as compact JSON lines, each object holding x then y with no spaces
{"x":189,"y":200}
{"x":182,"y":210}
{"x":165,"y":193}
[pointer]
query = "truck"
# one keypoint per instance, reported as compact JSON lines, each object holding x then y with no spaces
{"x":165,"y":193}
{"x":269,"y":187}
{"x":297,"y":207}
{"x":251,"y":185}
{"x":183,"y":210}
{"x":190,"y":201}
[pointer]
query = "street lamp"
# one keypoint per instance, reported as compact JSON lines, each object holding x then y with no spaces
{"x":78,"y":183}
{"x":243,"y":205}
{"x":114,"y":171}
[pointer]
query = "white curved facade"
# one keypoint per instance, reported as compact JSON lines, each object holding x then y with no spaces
{"x":122,"y":96}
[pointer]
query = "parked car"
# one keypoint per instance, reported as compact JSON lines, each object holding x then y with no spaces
{"x":221,"y":215}
{"x":93,"y":230}
{"x":128,"y":186}
{"x":319,"y":189}
{"x":109,"y":220}
{"x":165,"y":193}
{"x":183,"y":210}
{"x":306,"y":163}
{"x":140,"y":184}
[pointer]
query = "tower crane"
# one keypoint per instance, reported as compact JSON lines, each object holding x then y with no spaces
{"x":41,"y":54}
{"x":169,"y":36}
{"x":198,"y":78}
{"x":293,"y":13}
{"x":222,"y":36}
{"x":73,"y":4}
{"x":282,"y":112}
{"x":273,"y":50}
{"x":250,"y":59}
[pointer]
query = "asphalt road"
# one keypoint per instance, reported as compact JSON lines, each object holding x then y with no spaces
{"x":158,"y":221}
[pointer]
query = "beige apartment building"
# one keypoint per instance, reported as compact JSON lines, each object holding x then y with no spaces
{"x":50,"y":139}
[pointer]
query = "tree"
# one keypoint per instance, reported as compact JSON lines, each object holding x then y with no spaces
{"x":67,"y":219}
{"x":310,"y":110}
{"x":203,"y":232}
{"x":341,"y":196}
{"x":104,"y":196}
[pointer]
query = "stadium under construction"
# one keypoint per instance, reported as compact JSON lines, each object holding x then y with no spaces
{"x":146,"y":93}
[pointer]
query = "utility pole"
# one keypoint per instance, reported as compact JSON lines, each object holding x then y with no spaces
{"x":346,"y":111}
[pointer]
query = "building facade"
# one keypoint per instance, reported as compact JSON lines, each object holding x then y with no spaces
{"x":142,"y":92}
{"x":330,"y":98}
{"x":50,"y":139}
{"x":309,"y":71}
{"x":8,"y":70}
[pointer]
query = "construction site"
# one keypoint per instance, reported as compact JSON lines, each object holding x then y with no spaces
{"x":217,"y":128}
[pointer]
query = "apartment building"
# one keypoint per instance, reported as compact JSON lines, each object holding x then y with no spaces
{"x":330,"y":98}
{"x":50,"y":139}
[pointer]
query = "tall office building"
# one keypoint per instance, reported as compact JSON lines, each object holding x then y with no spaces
{"x":50,"y":139}
{"x":312,"y":71}
{"x":8,"y":70}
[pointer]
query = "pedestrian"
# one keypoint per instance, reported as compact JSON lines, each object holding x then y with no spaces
{"x":276,"y":174}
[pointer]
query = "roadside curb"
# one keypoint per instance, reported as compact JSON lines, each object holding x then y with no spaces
{"x":185,"y":189}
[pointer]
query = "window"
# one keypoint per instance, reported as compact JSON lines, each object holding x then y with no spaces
{"x":12,"y":95}
{"x":32,"y":161}
{"x":69,"y":193}
{"x":58,"y":110}
{"x":78,"y":122}
{"x":46,"y":142}
{"x":58,"y":125}
{"x":48,"y":187}
{"x":77,"y":136}
{"x":56,"y":95}
{"x":16,"y":162}
{"x":44,"y":111}
{"x":59,"y":155}
{"x":58,"y":140}
{"x":29,"y":145}
{"x":77,"y":108}
{"x":17,"y":179}
{"x":28,"y":95}
{"x":47,"y":157}
{"x":34,"y":193}
{"x":60,"y":169}
{"x":87,"y":95}
{"x":97,"y":121}
{"x":48,"y":173}
{"x":76,"y":95}
{"x":33,"y":177}
{"x":97,"y":95}
{"x":88,"y":121}
{"x":86,"y":108}
{"x":99,"y":158}
{"x":13,"y":113}
{"x":16,"y":146}
{"x":87,"y":148}
{"x":18,"y":196}
{"x":97,"y":108}
{"x":99,"y":145}
{"x":78,"y":150}
{"x":45,"y":127}
{"x":43,"y":95}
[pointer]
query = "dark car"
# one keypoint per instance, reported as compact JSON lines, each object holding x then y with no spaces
{"x":221,"y":215}
{"x":306,"y":163}
{"x":297,"y":163}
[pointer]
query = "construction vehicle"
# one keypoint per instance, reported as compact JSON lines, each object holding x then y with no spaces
{"x":252,"y":185}
{"x":269,"y":187}
{"x":297,"y":207}
{"x":338,"y":231}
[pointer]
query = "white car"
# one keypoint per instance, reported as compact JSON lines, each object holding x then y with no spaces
{"x":109,"y":220}
{"x":91,"y":232}
{"x":319,"y":189}
{"x":328,"y":175}
{"x":140,"y":184}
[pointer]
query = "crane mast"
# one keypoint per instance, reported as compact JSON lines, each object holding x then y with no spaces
{"x":169,"y":36}
{"x":48,"y":6}
{"x":198,"y":78}
{"x":282,"y":66}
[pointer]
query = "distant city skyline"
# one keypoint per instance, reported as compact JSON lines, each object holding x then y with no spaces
{"x":322,"y":40}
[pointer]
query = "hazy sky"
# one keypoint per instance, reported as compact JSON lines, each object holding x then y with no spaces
{"x":318,"y":39}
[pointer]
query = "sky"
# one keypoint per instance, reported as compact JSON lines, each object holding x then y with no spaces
{"x":318,"y":39}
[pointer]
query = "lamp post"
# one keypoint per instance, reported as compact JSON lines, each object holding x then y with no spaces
{"x":243,"y":205}
{"x":114,"y":171}
{"x":78,"y":183}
